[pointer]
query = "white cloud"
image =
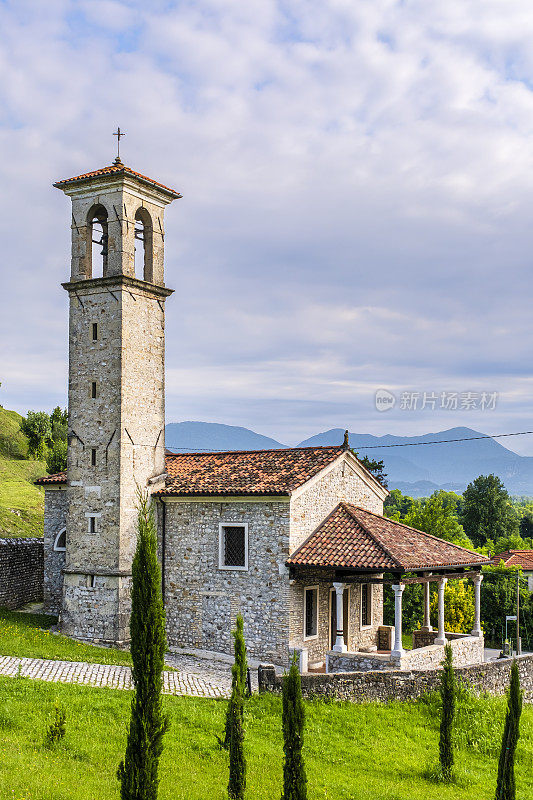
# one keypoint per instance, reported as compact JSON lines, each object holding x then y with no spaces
{"x":357,"y":195}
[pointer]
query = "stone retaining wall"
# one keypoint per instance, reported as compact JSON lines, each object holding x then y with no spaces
{"x":491,"y":677}
{"x":21,"y":572}
{"x":466,"y":650}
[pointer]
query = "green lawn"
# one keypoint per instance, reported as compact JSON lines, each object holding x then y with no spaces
{"x":29,"y":635}
{"x":21,"y":503}
{"x":368,"y":752}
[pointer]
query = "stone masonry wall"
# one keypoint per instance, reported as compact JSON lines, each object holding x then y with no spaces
{"x":357,"y":637}
{"x":21,"y":572}
{"x":202,"y":601}
{"x":55,"y":519}
{"x":466,"y":650}
{"x":311,"y":504}
{"x":362,"y":687}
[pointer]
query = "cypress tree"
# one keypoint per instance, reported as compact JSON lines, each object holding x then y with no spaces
{"x":138,"y":772}
{"x":447,"y":693}
{"x":237,"y":761}
{"x":294,"y":777}
{"x":505,"y":787}
{"x":238,"y":675}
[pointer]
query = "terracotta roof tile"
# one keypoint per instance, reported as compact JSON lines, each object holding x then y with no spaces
{"x":515,"y":558}
{"x":115,"y":169}
{"x":249,"y":472}
{"x":354,"y":538}
{"x":59,"y":477}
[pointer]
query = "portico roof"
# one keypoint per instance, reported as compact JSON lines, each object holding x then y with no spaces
{"x":353,"y":538}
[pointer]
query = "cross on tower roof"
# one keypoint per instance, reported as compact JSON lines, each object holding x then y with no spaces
{"x":118,"y":133}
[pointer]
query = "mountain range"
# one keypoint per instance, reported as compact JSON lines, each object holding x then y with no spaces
{"x":413,"y":464}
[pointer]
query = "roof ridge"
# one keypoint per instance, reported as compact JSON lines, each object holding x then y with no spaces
{"x":260,"y":450}
{"x":349,"y":507}
{"x":424,"y":533}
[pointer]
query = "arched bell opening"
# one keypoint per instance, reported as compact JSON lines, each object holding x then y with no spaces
{"x":144,"y":269}
{"x":97,"y":242}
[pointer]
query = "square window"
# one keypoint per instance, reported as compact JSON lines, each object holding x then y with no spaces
{"x":310,"y":612}
{"x":233,"y":546}
{"x":366,"y":605}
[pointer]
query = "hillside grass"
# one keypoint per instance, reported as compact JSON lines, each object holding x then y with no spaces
{"x":368,"y":752}
{"x":29,"y":636}
{"x":21,"y":503}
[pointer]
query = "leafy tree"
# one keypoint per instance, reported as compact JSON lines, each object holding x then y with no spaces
{"x":377,"y":468}
{"x":56,"y":457}
{"x":437,"y":516}
{"x":458,"y":607}
{"x":397,"y":505}
{"x":498,"y":599}
{"x":237,"y":761}
{"x":505,"y":787}
{"x":526,"y":525}
{"x":488,"y":513}
{"x":240,"y":674}
{"x":447,"y":693}
{"x":138,"y":772}
{"x":294,"y":777}
{"x":37,"y":428}
{"x":59,"y":422}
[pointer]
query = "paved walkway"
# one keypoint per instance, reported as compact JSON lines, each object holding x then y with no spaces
{"x":191,"y":683}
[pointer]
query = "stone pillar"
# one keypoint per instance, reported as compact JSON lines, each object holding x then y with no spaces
{"x":476,"y":630}
{"x":426,"y":627}
{"x":398,"y":651}
{"x":441,"y":639}
{"x":340,"y":645}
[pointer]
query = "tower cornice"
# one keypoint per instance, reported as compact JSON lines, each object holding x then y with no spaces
{"x":117,"y":282}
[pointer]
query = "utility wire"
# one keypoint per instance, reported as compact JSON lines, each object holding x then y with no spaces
{"x":371,"y":446}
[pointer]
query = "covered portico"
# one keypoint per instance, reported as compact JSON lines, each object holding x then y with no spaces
{"x":358,"y":548}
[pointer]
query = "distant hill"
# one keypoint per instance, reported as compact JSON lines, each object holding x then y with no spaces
{"x":191,"y":436}
{"x":21,"y":503}
{"x":420,"y":470}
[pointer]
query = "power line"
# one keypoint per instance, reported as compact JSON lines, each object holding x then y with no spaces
{"x":369,"y":446}
{"x":442,"y":441}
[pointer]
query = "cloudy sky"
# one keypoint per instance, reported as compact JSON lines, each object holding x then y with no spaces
{"x":357,"y":207}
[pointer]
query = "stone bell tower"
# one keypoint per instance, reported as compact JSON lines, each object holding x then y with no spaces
{"x":116,"y":396}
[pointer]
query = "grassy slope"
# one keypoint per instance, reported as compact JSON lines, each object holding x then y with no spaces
{"x":364,"y":752}
{"x":28,"y":635}
{"x":21,"y":503}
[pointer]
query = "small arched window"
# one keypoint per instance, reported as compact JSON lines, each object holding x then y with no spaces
{"x":143,"y":246}
{"x":60,"y":542}
{"x":97,"y":235}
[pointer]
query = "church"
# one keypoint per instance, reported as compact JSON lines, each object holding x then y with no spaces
{"x":293,"y":539}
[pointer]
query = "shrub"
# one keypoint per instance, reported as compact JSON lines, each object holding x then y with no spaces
{"x":447,"y":693}
{"x":237,"y":761}
{"x":58,"y":728}
{"x":294,"y":777}
{"x":138,"y":772}
{"x":505,"y":787}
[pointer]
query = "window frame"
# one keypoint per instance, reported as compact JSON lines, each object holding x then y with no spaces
{"x":314,"y":588}
{"x":221,"y":541}
{"x":57,"y":549}
{"x":370,"y":600}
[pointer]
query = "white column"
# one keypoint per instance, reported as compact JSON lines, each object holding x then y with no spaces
{"x":398,"y":651}
{"x":441,"y":639}
{"x":476,"y":630}
{"x":427,"y":624}
{"x":340,"y":645}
